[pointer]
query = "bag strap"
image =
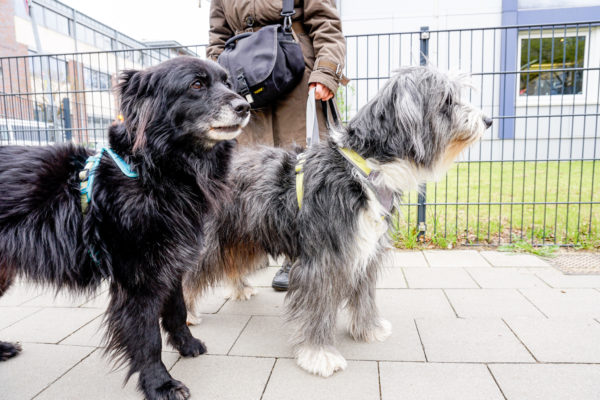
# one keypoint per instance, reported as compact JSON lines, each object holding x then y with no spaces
{"x":312,"y":123}
{"x":287,"y":11}
{"x":332,"y":118}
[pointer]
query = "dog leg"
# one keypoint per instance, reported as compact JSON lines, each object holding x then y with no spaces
{"x":133,"y":331}
{"x":9,"y":350}
{"x":240,"y":289}
{"x":174,"y":323}
{"x":365,"y":323}
{"x":313,"y":315}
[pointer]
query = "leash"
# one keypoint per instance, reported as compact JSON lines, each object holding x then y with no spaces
{"x":383,"y":195}
{"x":86,"y":177}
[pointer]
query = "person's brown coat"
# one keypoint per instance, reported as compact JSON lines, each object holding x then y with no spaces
{"x":318,"y":28}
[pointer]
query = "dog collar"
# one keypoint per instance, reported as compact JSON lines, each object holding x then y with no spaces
{"x":86,"y":176}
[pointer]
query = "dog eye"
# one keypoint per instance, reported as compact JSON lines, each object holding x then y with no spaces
{"x":197,"y":84}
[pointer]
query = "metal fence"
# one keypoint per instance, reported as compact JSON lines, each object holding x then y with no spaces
{"x":531,"y":179}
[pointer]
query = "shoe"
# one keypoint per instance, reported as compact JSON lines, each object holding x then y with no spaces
{"x":281,"y":280}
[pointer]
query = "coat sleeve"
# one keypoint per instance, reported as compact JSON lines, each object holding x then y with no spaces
{"x":219,"y":31}
{"x":324,"y":28}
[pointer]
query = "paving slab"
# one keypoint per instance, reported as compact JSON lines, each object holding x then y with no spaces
{"x":417,"y":303}
{"x":62,"y":299}
{"x":36,"y":367}
{"x":491,"y":303}
{"x":91,"y":334}
{"x":402,"y":345}
{"x":50,"y":325}
{"x":470,"y":340}
{"x":391,"y":278}
{"x":434,"y":278}
{"x":559,"y":340}
{"x":219,"y":331}
{"x":548,"y":381}
{"x":455,"y":258}
{"x":395,"y":258}
{"x":93,"y":379}
{"x":432,"y":381}
{"x":100,"y":301}
{"x":264,"y":336}
{"x":212,"y":301}
{"x":266,"y":302}
{"x":506,"y":259}
{"x":10,"y":315}
{"x":288,"y":381}
{"x":263,"y":277}
{"x":566,"y":303}
{"x":557,"y":279}
{"x":493,"y":278}
{"x":18,"y":294}
{"x":224,"y":378}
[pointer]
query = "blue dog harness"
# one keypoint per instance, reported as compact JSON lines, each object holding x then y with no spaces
{"x":86,"y":176}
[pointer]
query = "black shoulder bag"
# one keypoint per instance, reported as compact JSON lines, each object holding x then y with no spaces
{"x":266,"y":64}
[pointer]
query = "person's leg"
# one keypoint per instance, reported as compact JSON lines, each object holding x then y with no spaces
{"x":281,"y":280}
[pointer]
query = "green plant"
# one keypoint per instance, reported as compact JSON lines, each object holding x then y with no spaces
{"x":521,"y":246}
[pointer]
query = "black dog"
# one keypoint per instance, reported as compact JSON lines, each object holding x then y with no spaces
{"x":140,"y":233}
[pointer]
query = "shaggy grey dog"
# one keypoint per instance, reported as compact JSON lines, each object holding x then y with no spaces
{"x":409,"y":133}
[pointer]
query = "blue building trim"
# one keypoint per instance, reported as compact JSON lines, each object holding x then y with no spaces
{"x":558,"y":15}
{"x":508,"y":62}
{"x":509,"y":50}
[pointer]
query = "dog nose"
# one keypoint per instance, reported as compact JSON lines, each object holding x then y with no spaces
{"x":487,"y":121}
{"x":241,"y":107}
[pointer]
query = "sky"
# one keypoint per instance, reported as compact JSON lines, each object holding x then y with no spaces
{"x":151,"y":20}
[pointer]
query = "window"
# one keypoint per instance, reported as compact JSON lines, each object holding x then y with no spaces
{"x":551,"y":65}
{"x":95,"y":79}
{"x":51,"y":68}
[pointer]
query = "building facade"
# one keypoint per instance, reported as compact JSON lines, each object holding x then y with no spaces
{"x":57,"y":70}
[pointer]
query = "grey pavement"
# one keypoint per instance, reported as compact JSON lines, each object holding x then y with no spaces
{"x":467,"y":324}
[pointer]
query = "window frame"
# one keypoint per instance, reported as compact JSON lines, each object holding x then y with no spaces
{"x":553,"y":99}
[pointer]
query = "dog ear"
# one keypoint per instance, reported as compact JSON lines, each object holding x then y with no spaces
{"x":135,"y":107}
{"x":409,"y":107}
{"x":128,"y":82}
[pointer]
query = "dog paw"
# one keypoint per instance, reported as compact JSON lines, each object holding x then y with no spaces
{"x":193,"y":319}
{"x":9,"y":350}
{"x":244,"y":293}
{"x":322,"y":361}
{"x":170,"y":390}
{"x":381,"y":332}
{"x":192,"y":347}
{"x":378,"y":333}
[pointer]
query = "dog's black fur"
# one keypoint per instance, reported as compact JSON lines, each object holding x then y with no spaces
{"x":146,"y":231}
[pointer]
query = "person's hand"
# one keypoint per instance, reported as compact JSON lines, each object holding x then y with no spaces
{"x":322,"y":92}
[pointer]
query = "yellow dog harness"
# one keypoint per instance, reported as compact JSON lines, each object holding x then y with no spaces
{"x":385,"y":196}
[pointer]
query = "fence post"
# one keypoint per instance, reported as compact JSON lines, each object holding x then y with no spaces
{"x":422,"y":196}
{"x":67,"y":119}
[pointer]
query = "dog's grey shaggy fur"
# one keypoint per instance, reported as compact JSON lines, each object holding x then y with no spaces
{"x":411,"y":131}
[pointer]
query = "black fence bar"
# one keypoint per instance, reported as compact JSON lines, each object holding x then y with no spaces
{"x":422,"y":194}
{"x":532,"y":177}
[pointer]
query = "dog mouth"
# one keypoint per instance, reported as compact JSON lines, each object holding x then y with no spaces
{"x":224,"y":132}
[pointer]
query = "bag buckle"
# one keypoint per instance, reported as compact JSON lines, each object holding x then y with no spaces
{"x":243,"y":88}
{"x":338,"y":71}
{"x":287,"y":23}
